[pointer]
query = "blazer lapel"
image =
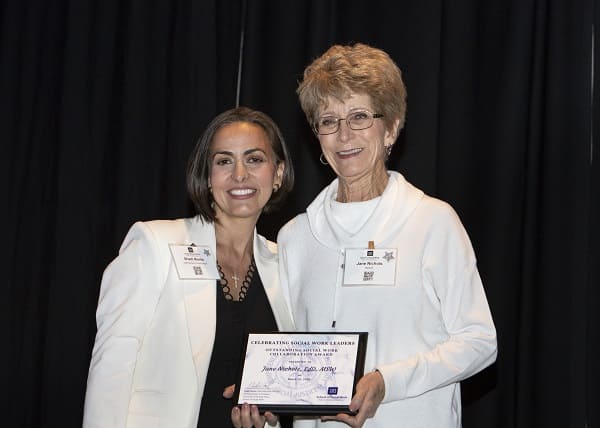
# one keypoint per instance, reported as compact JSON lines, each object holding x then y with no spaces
{"x":200,"y":303}
{"x":266,"y":263}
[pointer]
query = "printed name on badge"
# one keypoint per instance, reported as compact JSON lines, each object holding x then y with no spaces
{"x":370,"y":266}
{"x":194,"y":262}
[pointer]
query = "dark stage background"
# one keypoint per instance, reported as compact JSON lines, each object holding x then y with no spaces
{"x":101,"y":102}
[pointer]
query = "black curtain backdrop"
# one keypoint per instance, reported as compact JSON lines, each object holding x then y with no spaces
{"x":102,"y":101}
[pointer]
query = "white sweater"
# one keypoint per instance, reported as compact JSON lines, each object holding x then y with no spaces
{"x":428,"y":332}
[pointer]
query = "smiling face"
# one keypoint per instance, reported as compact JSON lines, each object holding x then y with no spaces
{"x":355,"y":155}
{"x":243,"y":171}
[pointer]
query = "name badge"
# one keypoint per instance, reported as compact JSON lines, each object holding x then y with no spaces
{"x":194,"y":262}
{"x":366,"y":266}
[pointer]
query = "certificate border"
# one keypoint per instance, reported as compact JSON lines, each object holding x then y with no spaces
{"x":302,"y":409}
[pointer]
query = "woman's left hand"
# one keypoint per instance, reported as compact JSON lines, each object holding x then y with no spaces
{"x":248,"y":416}
{"x":228,"y":391}
{"x":370,"y":390}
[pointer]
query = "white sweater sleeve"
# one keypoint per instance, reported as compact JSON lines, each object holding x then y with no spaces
{"x":449,"y":269}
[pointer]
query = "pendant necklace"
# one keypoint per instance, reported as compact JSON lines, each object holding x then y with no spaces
{"x":245,"y":283}
{"x":235,"y":280}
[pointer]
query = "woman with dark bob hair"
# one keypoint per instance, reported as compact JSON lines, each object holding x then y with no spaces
{"x":175,"y":304}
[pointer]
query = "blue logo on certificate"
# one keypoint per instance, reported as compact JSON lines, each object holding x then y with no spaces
{"x":332,"y":390}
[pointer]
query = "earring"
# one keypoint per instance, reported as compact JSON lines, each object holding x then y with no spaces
{"x":388,"y":150}
{"x":322,"y":159}
{"x":275,"y":188}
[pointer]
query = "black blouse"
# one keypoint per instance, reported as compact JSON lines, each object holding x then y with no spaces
{"x":234,"y":319}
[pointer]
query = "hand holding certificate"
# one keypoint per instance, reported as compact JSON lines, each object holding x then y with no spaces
{"x":301,"y":373}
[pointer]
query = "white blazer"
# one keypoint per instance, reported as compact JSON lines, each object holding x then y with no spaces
{"x":156,"y":332}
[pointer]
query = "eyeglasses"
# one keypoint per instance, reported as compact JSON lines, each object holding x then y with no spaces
{"x":356,"y":120}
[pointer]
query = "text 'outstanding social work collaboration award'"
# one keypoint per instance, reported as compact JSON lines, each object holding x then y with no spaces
{"x":301,"y":373}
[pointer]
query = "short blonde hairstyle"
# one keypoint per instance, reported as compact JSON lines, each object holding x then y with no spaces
{"x":357,"y":68}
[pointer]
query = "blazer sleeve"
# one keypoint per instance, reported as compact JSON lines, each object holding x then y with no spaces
{"x":129,"y":293}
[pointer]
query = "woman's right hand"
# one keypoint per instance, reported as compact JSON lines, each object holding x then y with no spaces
{"x":370,"y":391}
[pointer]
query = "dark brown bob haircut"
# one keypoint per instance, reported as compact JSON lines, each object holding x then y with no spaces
{"x":199,"y":164}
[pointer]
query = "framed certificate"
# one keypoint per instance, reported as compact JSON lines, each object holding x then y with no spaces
{"x":301,"y":373}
